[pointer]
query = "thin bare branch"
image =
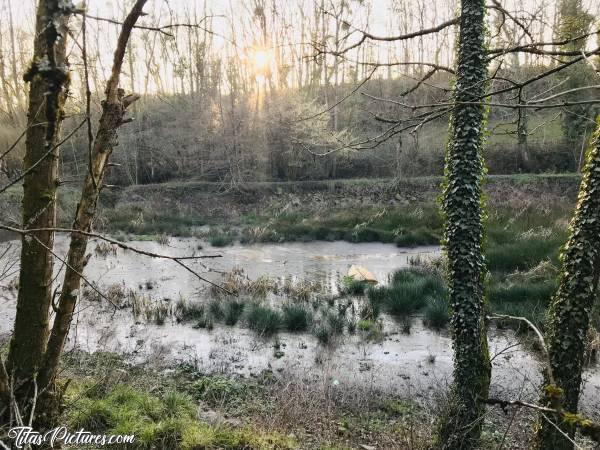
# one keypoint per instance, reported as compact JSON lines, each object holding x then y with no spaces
{"x":34,"y":165}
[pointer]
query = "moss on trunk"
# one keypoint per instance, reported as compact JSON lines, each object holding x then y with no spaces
{"x":48,"y":78}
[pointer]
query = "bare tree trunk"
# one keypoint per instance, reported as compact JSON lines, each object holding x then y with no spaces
{"x":8,"y":98}
{"x":113,"y":111}
{"x":13,"y":48}
{"x":522,"y":138}
{"x":48,"y":78}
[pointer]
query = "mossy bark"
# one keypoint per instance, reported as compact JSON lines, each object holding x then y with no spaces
{"x":463,"y":209}
{"x":48,"y":78}
{"x":113,"y":111}
{"x":570,"y":310}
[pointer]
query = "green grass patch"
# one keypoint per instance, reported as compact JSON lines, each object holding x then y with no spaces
{"x":522,"y":299}
{"x":523,"y":254}
{"x":420,"y":225}
{"x":218,"y":390}
{"x":141,"y":221}
{"x":410,"y":291}
{"x":165,"y":420}
{"x":221,"y":237}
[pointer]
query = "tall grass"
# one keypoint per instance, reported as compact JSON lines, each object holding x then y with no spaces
{"x":523,"y":254}
{"x":409,"y":290}
{"x":418,"y":226}
{"x":436,"y":314}
{"x":522,"y":299}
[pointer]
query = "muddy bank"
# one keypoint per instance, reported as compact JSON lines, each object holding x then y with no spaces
{"x":221,"y":200}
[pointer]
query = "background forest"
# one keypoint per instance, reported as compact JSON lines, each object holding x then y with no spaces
{"x":259,"y":94}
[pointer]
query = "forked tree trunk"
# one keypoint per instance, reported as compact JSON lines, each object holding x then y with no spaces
{"x":113,"y":111}
{"x":571,"y":307}
{"x":463,"y":235}
{"x":49,"y":79}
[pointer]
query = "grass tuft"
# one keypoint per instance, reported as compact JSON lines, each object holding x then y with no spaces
{"x":264,"y":320}
{"x":233,"y":311}
{"x":296,"y":318}
{"x":436,"y":314}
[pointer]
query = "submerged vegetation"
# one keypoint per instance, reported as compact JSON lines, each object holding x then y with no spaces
{"x":522,"y":247}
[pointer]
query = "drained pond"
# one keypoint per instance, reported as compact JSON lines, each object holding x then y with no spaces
{"x":289,"y":308}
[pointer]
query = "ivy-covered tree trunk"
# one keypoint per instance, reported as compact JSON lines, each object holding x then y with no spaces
{"x":48,"y":78}
{"x":462,"y":206}
{"x":571,"y":307}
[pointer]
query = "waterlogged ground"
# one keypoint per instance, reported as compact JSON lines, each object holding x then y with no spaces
{"x":415,"y":364}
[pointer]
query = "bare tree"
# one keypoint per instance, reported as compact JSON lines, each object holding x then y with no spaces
{"x":48,"y":79}
{"x":33,"y":357}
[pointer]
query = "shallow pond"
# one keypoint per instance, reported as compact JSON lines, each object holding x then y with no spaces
{"x":414,"y":364}
{"x":324,"y":262}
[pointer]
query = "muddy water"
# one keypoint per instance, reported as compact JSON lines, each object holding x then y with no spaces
{"x":414,"y":364}
{"x":325,"y":262}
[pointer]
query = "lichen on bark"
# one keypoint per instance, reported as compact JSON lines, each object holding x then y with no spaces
{"x":48,"y":83}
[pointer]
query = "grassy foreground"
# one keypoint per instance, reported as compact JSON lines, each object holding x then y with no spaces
{"x":186,"y":409}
